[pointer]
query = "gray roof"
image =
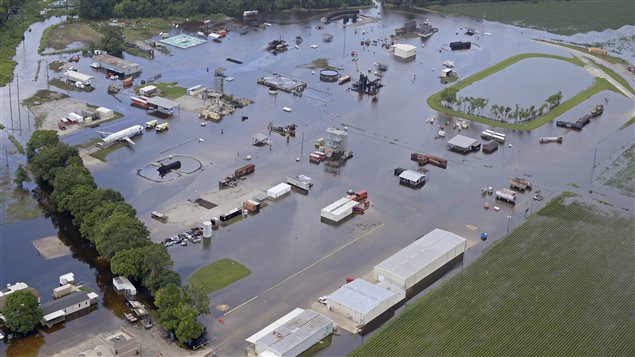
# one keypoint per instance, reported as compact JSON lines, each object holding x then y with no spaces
{"x":62,"y":303}
{"x":295,"y":331}
{"x":163,"y":102}
{"x":360,"y":295}
{"x":421,"y":253}
{"x":116,"y":62}
{"x":462,"y":141}
{"x":410,"y":175}
{"x":261,"y":137}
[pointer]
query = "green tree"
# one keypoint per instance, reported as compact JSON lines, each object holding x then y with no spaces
{"x":95,"y":9}
{"x":162,"y":279}
{"x":91,"y":224}
{"x":49,"y":158}
{"x":168,"y":299}
{"x":22,"y":311}
{"x":197,"y":298}
{"x":188,"y":326}
{"x":112,"y":42}
{"x":120,"y":232}
{"x":554,"y":100}
{"x":448,"y":95}
{"x":21,"y":176}
{"x":127,"y":263}
{"x":39,"y":139}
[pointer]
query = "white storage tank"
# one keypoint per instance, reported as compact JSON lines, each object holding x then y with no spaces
{"x":207,"y":229}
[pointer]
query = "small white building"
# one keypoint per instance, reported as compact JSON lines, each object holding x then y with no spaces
{"x":123,"y":285}
{"x":68,"y":278}
{"x":74,"y":76}
{"x":105,"y":113}
{"x":339,"y":209}
{"x":291,"y":335}
{"x":148,"y":90}
{"x":420,"y":259}
{"x":279,"y":190}
{"x":404,"y":51}
{"x":412,"y":178}
{"x":361,"y":301}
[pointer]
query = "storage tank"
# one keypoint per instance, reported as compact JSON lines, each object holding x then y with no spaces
{"x":207,"y":229}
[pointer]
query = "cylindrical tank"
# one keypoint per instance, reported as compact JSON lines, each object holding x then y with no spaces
{"x":329,"y":75}
{"x":207,"y":229}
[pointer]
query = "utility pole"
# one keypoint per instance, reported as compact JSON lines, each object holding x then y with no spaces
{"x":17,"y":82}
{"x":10,"y":107}
{"x":47,"y":74}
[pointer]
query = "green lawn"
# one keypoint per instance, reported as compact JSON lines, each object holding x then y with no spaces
{"x":102,"y":153}
{"x":621,"y":80}
{"x":560,"y":284}
{"x":169,"y":90}
{"x":218,"y":275}
{"x":561,"y":17}
{"x":17,"y":144}
{"x":599,"y":85}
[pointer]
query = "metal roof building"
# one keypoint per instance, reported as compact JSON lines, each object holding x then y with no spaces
{"x":420,"y":259}
{"x":362,"y":301}
{"x":339,"y":209}
{"x":116,"y":64}
{"x":404,"y":51}
{"x":412,"y":178}
{"x":463,"y":143}
{"x":290,"y":335}
{"x":162,"y":105}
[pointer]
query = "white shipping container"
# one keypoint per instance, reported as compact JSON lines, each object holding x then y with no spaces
{"x":278,"y":190}
{"x":339,"y":209}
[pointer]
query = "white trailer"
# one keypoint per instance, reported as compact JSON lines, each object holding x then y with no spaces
{"x":301,"y":181}
{"x":339,"y":209}
{"x":75,"y":77}
{"x":278,"y":190}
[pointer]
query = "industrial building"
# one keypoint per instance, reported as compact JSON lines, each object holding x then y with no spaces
{"x":162,"y":105}
{"x":10,"y":289}
{"x":418,"y":262}
{"x":290,"y":335}
{"x":404,"y":51}
{"x":75,"y":303}
{"x":463,"y":144}
{"x":339,"y":209}
{"x":337,"y":140}
{"x":279,"y":190}
{"x":361,"y":301}
{"x":117,"y":66}
{"x":412,"y":179}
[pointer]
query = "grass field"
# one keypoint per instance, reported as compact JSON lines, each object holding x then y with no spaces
{"x":102,"y":153}
{"x":621,"y":80}
{"x":599,"y":85}
{"x":17,"y":144}
{"x":143,"y":29}
{"x":11,"y":35}
{"x":560,"y":284}
{"x":621,"y":174}
{"x":61,"y":35}
{"x":628,"y":123}
{"x":169,"y":90}
{"x":581,"y":15}
{"x":218,"y":275}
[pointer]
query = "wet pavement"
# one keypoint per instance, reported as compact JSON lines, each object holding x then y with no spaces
{"x":294,"y":258}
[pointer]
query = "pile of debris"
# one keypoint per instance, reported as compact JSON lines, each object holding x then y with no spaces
{"x":220,"y":105}
{"x":365,"y":86}
{"x":288,"y":130}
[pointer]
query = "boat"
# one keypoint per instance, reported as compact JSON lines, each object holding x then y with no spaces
{"x":95,"y":65}
{"x":448,"y":63}
{"x":597,"y":111}
{"x":441,"y":134}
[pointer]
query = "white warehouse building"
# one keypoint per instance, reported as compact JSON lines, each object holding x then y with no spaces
{"x":290,"y":335}
{"x":361,"y":301}
{"x":420,"y":259}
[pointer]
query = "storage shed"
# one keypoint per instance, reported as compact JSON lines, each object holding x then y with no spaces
{"x":412,"y":178}
{"x":105,"y":113}
{"x":148,"y":91}
{"x":463,"y":144}
{"x":361,"y":301}
{"x":297,"y":331}
{"x":339,"y":209}
{"x":404,"y":51}
{"x":162,"y":105}
{"x":278,"y":190}
{"x":421,"y":259}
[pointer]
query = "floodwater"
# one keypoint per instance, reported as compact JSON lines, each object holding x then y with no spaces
{"x":529,"y":82}
{"x":287,"y":237}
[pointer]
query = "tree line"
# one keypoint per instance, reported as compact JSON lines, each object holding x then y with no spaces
{"x":107,"y":221}
{"x":103,"y":9}
{"x":477,"y":106}
{"x":413,"y":3}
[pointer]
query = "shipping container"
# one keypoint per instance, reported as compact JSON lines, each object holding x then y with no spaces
{"x":245,"y":170}
{"x":251,"y":206}
{"x":278,"y":190}
{"x":230,"y":214}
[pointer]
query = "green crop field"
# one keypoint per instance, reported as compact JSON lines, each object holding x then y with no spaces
{"x":218,"y":275}
{"x":560,"y":284}
{"x":561,"y":17}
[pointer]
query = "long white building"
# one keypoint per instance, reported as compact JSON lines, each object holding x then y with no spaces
{"x":420,"y":259}
{"x":361,"y":301}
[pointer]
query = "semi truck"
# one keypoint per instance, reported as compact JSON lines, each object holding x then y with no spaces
{"x":506,"y":195}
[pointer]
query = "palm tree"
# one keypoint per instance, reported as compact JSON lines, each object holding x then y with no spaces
{"x":507,"y":111}
{"x":493,"y":111}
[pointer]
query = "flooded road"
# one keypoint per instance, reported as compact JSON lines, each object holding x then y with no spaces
{"x":287,"y":237}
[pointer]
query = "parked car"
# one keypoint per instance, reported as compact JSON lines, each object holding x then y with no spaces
{"x":322,"y":300}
